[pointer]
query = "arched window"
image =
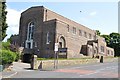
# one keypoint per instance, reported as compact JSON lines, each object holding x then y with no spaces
{"x":30,"y":31}
{"x":62,"y":43}
{"x":29,"y":41}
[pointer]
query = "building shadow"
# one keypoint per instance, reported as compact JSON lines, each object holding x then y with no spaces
{"x":28,"y":68}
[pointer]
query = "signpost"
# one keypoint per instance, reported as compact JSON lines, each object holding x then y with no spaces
{"x":56,"y":56}
{"x":56,"y":47}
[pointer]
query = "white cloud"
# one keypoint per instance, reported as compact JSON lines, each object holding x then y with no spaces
{"x":13,"y":17}
{"x":93,"y":13}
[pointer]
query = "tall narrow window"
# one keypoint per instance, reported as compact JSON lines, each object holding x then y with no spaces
{"x":68,"y":28}
{"x":80,"y":33}
{"x":45,"y":15}
{"x":74,"y":30}
{"x":90,"y":36}
{"x":48,"y":38}
{"x":35,"y":44}
{"x":28,"y":45}
{"x":112,"y":53}
{"x":30,"y":30}
{"x":102,"y":48}
{"x":85,"y":34}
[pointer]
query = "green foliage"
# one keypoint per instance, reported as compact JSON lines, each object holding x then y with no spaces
{"x":113,"y":40}
{"x":0,"y":21}
{"x":7,"y":57}
{"x":3,"y":20}
{"x":107,"y":39}
{"x":17,"y":57}
{"x":98,"y":32}
{"x":10,"y":39}
{"x":5,"y":45}
{"x":0,"y":57}
{"x":115,"y":43}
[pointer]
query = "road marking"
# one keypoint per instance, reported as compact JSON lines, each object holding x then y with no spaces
{"x":11,"y":75}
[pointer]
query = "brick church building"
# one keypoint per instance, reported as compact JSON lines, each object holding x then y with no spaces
{"x":41,"y":28}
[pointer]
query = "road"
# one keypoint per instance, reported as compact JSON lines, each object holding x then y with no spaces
{"x":99,"y":70}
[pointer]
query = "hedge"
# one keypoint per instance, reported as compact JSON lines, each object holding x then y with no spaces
{"x":7,"y":57}
{"x":6,"y":45}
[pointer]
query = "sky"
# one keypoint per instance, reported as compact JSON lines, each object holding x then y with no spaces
{"x":102,"y":16}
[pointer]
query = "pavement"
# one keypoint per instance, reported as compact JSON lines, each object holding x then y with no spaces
{"x":20,"y":66}
{"x":14,"y":69}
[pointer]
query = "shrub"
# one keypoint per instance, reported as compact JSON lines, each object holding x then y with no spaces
{"x":6,"y":45}
{"x":17,"y":57}
{"x":7,"y":57}
{"x":0,"y":57}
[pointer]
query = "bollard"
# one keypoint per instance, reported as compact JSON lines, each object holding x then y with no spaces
{"x":34,"y":64}
{"x":101,"y":59}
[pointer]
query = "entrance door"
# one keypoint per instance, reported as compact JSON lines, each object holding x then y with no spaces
{"x":62,"y":47}
{"x":27,"y":58}
{"x":62,"y":43}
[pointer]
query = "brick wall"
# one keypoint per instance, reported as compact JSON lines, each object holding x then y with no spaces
{"x":57,"y":25}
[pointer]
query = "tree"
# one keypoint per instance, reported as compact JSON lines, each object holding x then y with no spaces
{"x":113,"y":40}
{"x":5,"y":45}
{"x":10,"y":39}
{"x":115,"y":43}
{"x":7,"y":57}
{"x":98,"y":32}
{"x":107,"y":39}
{"x":3,"y":18}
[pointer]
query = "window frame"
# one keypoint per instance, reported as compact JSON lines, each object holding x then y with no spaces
{"x":80,"y":32}
{"x":74,"y":30}
{"x":102,"y":49}
{"x":85,"y":34}
{"x":30,"y":33}
{"x":90,"y":36}
{"x":68,"y":28}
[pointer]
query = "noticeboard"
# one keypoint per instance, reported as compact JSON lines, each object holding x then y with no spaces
{"x":62,"y":50}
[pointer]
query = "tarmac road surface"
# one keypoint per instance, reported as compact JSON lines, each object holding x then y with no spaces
{"x":99,"y":70}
